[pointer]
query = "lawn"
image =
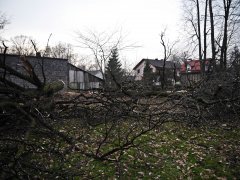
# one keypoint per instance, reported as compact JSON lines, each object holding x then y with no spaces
{"x":174,"y":151}
{"x":72,"y":147}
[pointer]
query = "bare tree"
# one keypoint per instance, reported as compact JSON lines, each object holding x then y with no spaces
{"x":223,"y":24}
{"x":167,"y":52}
{"x":205,"y":37}
{"x":33,"y":131}
{"x":63,"y":50}
{"x":63,"y":136}
{"x":22,"y":45}
{"x":213,"y":46}
{"x":101,"y":45}
{"x":193,"y":19}
{"x":230,"y":17}
{"x":223,"y":57}
{"x":199,"y":33}
{"x":3,"y":20}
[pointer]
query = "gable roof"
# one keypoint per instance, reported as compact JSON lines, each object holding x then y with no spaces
{"x":159,"y":63}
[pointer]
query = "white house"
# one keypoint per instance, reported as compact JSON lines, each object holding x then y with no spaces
{"x":157,"y":67}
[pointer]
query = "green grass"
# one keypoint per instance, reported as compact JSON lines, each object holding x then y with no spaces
{"x":174,"y":151}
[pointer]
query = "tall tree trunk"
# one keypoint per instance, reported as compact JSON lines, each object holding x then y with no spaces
{"x":174,"y":73}
{"x":205,"y":37}
{"x":199,"y":35}
{"x":213,"y":62}
{"x":223,"y":57}
{"x":164,"y":64}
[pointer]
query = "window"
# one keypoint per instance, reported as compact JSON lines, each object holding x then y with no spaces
{"x":138,"y":71}
{"x":178,"y":73}
{"x":188,"y":68}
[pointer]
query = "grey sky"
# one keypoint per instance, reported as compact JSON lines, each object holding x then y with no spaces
{"x":141,"y":20}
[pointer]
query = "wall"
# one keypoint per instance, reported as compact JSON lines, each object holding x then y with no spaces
{"x":189,"y":79}
{"x":54,"y":68}
{"x":99,"y":74}
{"x":139,"y":71}
{"x":82,"y":80}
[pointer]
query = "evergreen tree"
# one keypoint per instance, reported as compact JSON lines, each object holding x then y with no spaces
{"x":147,"y":74}
{"x":235,"y":56}
{"x":114,"y":72}
{"x":235,"y":61}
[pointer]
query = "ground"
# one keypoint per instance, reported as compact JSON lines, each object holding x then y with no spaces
{"x":171,"y":150}
{"x":174,"y":151}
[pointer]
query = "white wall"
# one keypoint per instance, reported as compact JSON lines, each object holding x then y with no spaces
{"x":99,"y":74}
{"x":139,"y":71}
{"x":139,"y":76}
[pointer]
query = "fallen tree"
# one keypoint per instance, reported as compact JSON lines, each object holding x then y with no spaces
{"x":48,"y":135}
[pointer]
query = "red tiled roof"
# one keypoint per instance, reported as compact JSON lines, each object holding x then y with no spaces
{"x":195,"y":66}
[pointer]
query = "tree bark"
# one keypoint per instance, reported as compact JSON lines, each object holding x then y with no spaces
{"x":223,"y":57}
{"x":213,"y":62}
{"x":199,"y":34}
{"x":205,"y":38}
{"x":164,"y":61}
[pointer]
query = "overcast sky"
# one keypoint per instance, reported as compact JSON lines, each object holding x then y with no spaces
{"x":141,"y":20}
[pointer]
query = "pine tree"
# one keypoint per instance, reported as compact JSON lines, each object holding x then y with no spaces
{"x":147,"y":74}
{"x":235,"y":56}
{"x":235,"y":61}
{"x":114,"y":72}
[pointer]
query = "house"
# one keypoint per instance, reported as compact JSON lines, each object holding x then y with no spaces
{"x":51,"y":69}
{"x":156,"y":65}
{"x":191,"y":71}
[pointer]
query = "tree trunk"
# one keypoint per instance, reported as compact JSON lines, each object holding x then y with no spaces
{"x":199,"y":35}
{"x":213,"y":62}
{"x":223,"y":57}
{"x":205,"y":38}
{"x":164,"y":62}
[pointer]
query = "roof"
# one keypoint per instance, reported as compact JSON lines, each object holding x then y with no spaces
{"x":159,"y":63}
{"x":95,"y":72}
{"x":194,"y":64}
{"x":35,"y":57}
